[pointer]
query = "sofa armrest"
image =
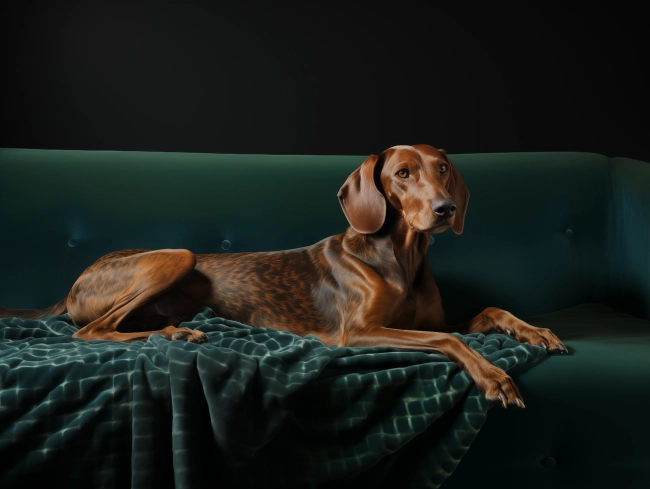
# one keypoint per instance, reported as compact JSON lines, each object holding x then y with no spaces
{"x":628,"y":236}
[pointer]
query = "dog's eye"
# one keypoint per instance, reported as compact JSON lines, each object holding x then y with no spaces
{"x":403,"y":173}
{"x":443,"y":168}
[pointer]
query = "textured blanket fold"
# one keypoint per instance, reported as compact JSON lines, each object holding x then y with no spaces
{"x":253,"y":407}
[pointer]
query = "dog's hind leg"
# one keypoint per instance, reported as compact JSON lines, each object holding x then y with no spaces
{"x":123,"y":282}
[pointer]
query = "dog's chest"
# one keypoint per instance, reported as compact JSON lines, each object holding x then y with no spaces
{"x":404,"y":309}
{"x":398,"y":303}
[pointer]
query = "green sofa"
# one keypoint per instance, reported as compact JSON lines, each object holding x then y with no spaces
{"x":561,"y":240}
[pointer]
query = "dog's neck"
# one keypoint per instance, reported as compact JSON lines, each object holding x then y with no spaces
{"x":409,"y":246}
{"x":395,"y":243}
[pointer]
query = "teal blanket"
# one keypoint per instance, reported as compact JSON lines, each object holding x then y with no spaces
{"x":253,"y":407}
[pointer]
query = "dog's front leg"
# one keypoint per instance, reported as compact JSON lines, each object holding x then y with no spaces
{"x":497,"y":386}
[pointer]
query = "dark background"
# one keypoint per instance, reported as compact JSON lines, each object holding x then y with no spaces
{"x":280,"y":78}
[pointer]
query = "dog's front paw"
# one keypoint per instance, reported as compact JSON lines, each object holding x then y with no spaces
{"x":499,"y":388}
{"x":543,"y":337}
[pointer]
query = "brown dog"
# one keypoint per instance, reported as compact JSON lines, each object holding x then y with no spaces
{"x":369,"y":286}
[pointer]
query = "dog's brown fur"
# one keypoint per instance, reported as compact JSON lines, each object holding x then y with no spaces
{"x":369,"y":286}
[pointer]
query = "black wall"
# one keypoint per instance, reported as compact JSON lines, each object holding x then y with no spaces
{"x":234,"y":77}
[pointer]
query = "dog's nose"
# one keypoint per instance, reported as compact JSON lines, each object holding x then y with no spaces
{"x":444,"y":208}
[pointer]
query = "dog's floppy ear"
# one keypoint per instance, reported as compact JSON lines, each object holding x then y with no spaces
{"x":459,"y":193}
{"x":363,"y":204}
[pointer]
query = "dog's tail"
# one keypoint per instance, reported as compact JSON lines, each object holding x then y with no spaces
{"x":58,"y":308}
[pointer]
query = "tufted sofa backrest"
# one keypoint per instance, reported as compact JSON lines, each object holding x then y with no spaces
{"x":535,"y":237}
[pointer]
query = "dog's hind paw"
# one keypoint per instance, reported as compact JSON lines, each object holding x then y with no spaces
{"x":189,"y":335}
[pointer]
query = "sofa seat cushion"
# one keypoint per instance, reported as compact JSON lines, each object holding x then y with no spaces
{"x":586,"y":413}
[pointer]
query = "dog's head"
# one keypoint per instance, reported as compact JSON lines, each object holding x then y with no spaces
{"x":419,"y":181}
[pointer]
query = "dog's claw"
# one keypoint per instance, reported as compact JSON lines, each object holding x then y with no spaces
{"x":503,"y":401}
{"x":520,"y":403}
{"x":561,"y":349}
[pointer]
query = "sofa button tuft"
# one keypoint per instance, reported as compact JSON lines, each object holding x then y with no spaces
{"x":549,"y":462}
{"x":431,"y":240}
{"x":225,"y":244}
{"x":569,"y":233}
{"x":72,"y":242}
